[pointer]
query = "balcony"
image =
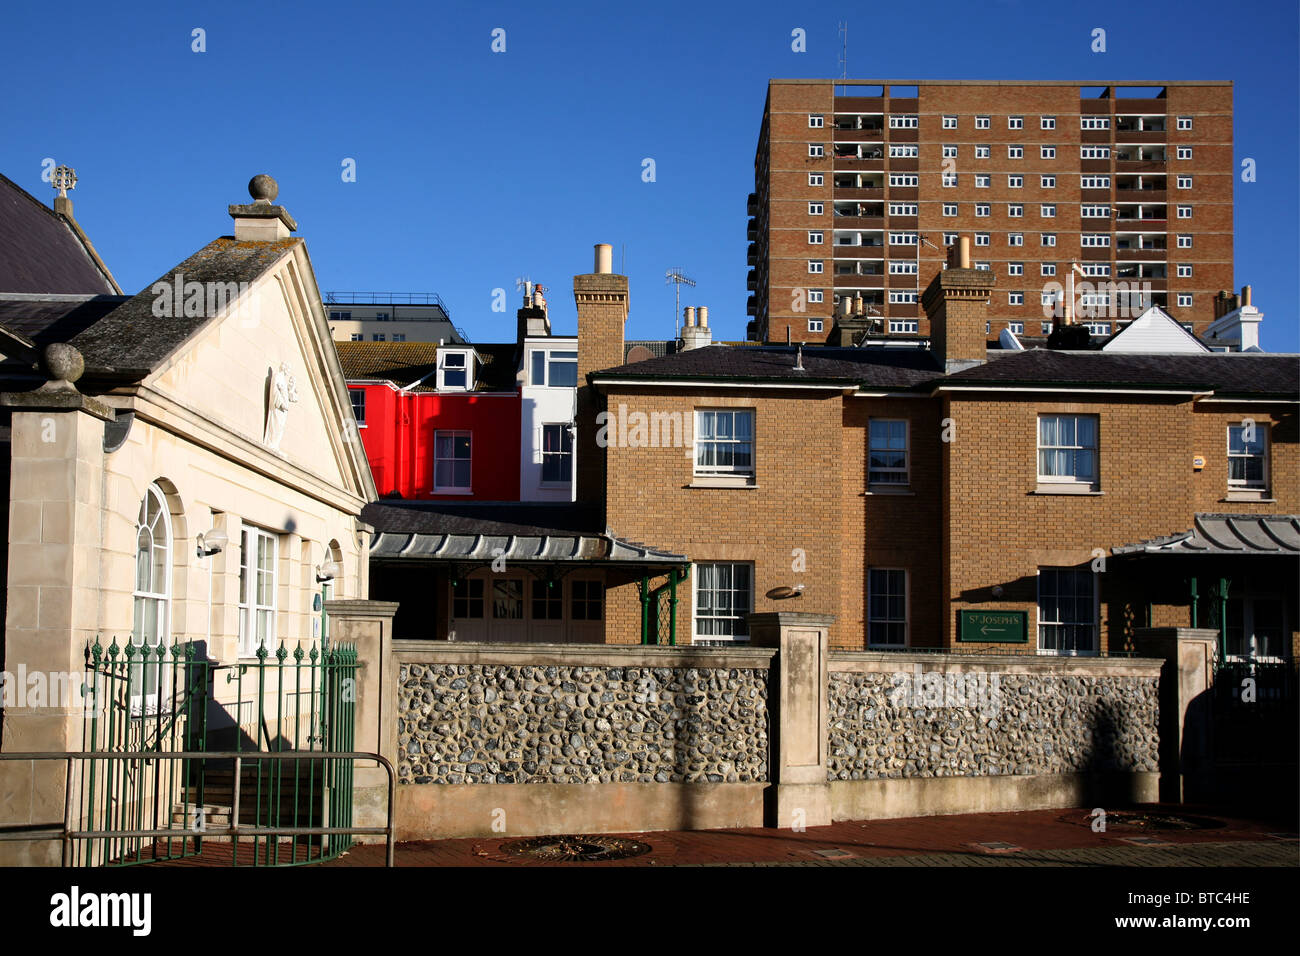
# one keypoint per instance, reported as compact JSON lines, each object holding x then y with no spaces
{"x":751,"y":231}
{"x":1094,"y":137}
{"x":1094,"y":165}
{"x":860,"y":104}
{"x":1139,"y":255}
{"x":751,"y":254}
{"x":860,"y":192}
{"x":752,"y":205}
{"x":1143,"y":194}
{"x":751,"y":281}
{"x":904,"y":164}
{"x":1094,"y":195}
{"x":1140,"y":136}
{"x":1139,"y":165}
{"x":860,"y":251}
{"x":902,"y":222}
{"x":751,"y":306}
{"x":851,"y":281}
{"x":904,"y":193}
{"x":904,"y":136}
{"x":865,"y":135}
{"x":859,"y":222}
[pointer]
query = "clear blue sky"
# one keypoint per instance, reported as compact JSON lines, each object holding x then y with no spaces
{"x":476,"y":167}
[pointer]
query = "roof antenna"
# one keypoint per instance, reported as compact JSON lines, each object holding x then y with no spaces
{"x":798,"y":359}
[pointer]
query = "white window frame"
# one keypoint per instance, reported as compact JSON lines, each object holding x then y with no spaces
{"x":1184,"y":300}
{"x":904,"y":180}
{"x":981,"y":238}
{"x":1184,"y":122}
{"x":983,"y":210}
{"x":725,"y":473}
{"x":453,"y":434}
{"x":1047,"y":122}
{"x":816,"y":179}
{"x":1094,"y":240}
{"x":903,"y":326}
{"x":903,"y":122}
{"x":816,"y":295}
{"x":904,"y":151}
{"x":1093,"y":211}
{"x":1015,"y":122}
{"x":740,"y":627}
{"x":948,"y":180}
{"x":1046,"y":182}
{"x":1047,"y":211}
{"x":1047,"y":152}
{"x":1047,"y":269}
{"x":1015,"y":239}
{"x":1184,"y":241}
{"x":902,"y":296}
{"x":1072,"y":481}
{"x":559,"y":455}
{"x":1183,"y":182}
{"x":1183,"y":152}
{"x":1245,"y":484}
{"x":1094,"y":182}
{"x":950,"y":122}
{"x":1047,"y":239}
{"x":1015,"y":152}
{"x":982,"y":180}
{"x":902,"y":208}
{"x":1183,"y":271}
{"x":251,"y":608}
{"x":902,"y":267}
{"x":1184,"y":212}
{"x":816,"y":150}
{"x":816,"y":267}
{"x":814,"y":238}
{"x":1015,"y":210}
{"x":983,"y":151}
{"x":358,"y":408}
{"x":553,"y":357}
{"x":466,"y":357}
{"x":950,"y":209}
{"x":1015,"y":298}
{"x":1094,"y":152}
{"x":1094,"y":122}
{"x":816,"y":325}
{"x":1094,"y":624}
{"x":153,"y":519}
{"x":1016,"y":325}
{"x":816,"y":209}
{"x":816,"y":120}
{"x":949,"y":151}
{"x":1015,"y":182}
{"x":1016,"y":269}
{"x":982,"y":122}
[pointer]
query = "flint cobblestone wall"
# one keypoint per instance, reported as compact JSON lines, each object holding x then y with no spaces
{"x":488,"y":723}
{"x":884,"y":725}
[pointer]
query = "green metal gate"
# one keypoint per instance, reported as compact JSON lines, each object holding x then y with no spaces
{"x":290,"y":704}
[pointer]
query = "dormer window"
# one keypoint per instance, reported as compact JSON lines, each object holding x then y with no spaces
{"x":455,"y":371}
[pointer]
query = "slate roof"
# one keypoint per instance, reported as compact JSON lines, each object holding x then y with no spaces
{"x":41,"y":252}
{"x":403,"y":363}
{"x":1223,"y":534}
{"x":1225,"y":373}
{"x":900,"y":368}
{"x":482,"y":531}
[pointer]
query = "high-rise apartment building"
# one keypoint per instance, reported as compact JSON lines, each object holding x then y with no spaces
{"x":861,"y":184}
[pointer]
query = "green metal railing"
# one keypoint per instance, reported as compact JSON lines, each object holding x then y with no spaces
{"x":164,"y":700}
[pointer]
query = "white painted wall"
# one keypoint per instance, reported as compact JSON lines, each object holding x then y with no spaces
{"x":542,"y":405}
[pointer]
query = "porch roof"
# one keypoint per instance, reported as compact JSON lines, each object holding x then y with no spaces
{"x":523,"y":532}
{"x":1227,"y":534}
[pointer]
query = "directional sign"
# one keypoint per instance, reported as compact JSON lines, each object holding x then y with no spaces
{"x":994,"y":627}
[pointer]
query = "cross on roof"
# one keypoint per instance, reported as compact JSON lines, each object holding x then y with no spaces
{"x":63,"y":178}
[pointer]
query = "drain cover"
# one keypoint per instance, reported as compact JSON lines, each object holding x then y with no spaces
{"x":574,"y":849}
{"x":833,"y":854}
{"x":998,"y":846}
{"x":1151,"y":820}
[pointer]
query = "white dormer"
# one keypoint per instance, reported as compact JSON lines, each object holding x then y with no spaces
{"x":455,"y":370}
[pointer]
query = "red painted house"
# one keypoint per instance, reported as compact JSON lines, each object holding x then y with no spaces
{"x":439,"y":423}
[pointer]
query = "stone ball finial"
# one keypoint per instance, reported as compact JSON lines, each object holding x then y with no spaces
{"x":263,"y":188}
{"x":64,"y":362}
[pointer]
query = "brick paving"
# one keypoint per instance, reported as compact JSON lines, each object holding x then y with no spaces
{"x":1036,"y":838}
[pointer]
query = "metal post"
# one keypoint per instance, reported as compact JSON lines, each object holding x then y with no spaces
{"x":1195,"y":604}
{"x":1223,"y":619}
{"x":645,"y":608}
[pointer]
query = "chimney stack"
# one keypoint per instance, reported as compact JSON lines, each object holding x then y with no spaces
{"x":533,"y":320}
{"x":602,"y":301}
{"x":956,"y":304}
{"x":696,"y":333}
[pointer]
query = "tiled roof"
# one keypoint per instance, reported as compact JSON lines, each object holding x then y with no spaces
{"x":40,"y":252}
{"x":482,"y":531}
{"x":1226,"y":373}
{"x":403,"y":363}
{"x":881,"y":367}
{"x":1221,"y":534}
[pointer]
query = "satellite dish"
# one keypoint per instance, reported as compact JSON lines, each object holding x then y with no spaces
{"x":783,"y":592}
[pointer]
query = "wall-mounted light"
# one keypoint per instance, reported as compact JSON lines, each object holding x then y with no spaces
{"x":213,"y":542}
{"x":328,"y":572}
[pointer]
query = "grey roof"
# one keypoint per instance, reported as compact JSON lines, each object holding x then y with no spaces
{"x":1223,"y":534}
{"x":479,"y":532}
{"x":42,"y":252}
{"x":882,"y":367}
{"x":1225,"y":373}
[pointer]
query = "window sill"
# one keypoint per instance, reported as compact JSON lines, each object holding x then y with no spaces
{"x":1065,"y":488}
{"x":878,"y":489}
{"x":722,"y":483}
{"x":1258,"y":496}
{"x":451,"y":491}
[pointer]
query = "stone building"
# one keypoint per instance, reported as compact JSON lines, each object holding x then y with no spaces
{"x":177,"y":469}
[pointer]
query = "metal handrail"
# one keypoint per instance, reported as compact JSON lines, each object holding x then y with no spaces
{"x":66,"y":834}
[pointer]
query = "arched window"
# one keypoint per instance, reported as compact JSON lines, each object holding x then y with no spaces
{"x":153,"y":581}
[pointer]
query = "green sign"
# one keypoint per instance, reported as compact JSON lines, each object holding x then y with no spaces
{"x":994,"y":627}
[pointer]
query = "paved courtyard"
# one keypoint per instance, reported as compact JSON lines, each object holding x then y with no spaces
{"x":1031,"y":838}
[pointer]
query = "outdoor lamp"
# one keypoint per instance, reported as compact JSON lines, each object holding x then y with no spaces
{"x":213,"y":542}
{"x":328,"y":571}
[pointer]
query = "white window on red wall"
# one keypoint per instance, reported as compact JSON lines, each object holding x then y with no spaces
{"x":451,"y":461}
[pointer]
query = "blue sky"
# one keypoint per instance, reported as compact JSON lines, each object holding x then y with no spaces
{"x":475,"y":167}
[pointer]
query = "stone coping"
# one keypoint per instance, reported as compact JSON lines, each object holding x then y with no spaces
{"x":579,"y":655}
{"x":1042,"y":664}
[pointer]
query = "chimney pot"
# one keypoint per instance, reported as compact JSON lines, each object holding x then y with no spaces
{"x":688,"y":316}
{"x":604,"y":258}
{"x":704,"y":316}
{"x":1245,"y":296}
{"x":963,"y":252}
